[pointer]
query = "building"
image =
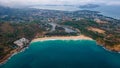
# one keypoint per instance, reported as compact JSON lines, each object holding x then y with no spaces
{"x":21,"y":42}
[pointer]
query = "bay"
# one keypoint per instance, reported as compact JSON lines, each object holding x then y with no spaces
{"x":64,"y":54}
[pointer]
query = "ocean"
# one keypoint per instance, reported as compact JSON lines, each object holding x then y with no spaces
{"x":64,"y":54}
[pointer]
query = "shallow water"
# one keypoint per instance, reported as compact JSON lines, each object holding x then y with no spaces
{"x":64,"y":54}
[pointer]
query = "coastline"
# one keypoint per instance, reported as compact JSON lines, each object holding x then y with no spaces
{"x":8,"y":56}
{"x":15,"y":51}
{"x":80,"y":37}
{"x":12,"y":53}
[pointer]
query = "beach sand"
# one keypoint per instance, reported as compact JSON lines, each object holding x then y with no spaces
{"x":80,"y":37}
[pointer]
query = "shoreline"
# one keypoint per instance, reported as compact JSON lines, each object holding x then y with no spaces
{"x":8,"y":56}
{"x":15,"y":51}
{"x":80,"y":37}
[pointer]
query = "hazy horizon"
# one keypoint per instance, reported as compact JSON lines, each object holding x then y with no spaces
{"x":22,"y":3}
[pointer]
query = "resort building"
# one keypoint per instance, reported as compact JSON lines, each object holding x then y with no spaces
{"x":21,"y":42}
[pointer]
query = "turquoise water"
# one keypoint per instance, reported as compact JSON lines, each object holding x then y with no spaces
{"x":64,"y":54}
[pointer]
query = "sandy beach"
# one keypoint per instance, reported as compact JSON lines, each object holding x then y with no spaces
{"x":80,"y":37}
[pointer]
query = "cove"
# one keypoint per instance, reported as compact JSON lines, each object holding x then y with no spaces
{"x":64,"y":54}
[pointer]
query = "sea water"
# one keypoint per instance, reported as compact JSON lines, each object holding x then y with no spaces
{"x":64,"y":54}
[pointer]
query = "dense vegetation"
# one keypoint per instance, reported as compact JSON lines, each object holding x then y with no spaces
{"x":10,"y":32}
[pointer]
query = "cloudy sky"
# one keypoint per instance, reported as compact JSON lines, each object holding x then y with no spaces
{"x":61,"y":2}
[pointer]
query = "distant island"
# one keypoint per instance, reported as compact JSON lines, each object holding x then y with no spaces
{"x":88,"y":6}
{"x":18,"y":27}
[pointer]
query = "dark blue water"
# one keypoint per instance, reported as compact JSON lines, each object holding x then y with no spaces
{"x":64,"y":54}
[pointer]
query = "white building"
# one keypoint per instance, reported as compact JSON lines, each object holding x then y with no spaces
{"x":21,"y":42}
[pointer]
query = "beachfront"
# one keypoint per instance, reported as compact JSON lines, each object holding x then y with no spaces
{"x":80,"y":37}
